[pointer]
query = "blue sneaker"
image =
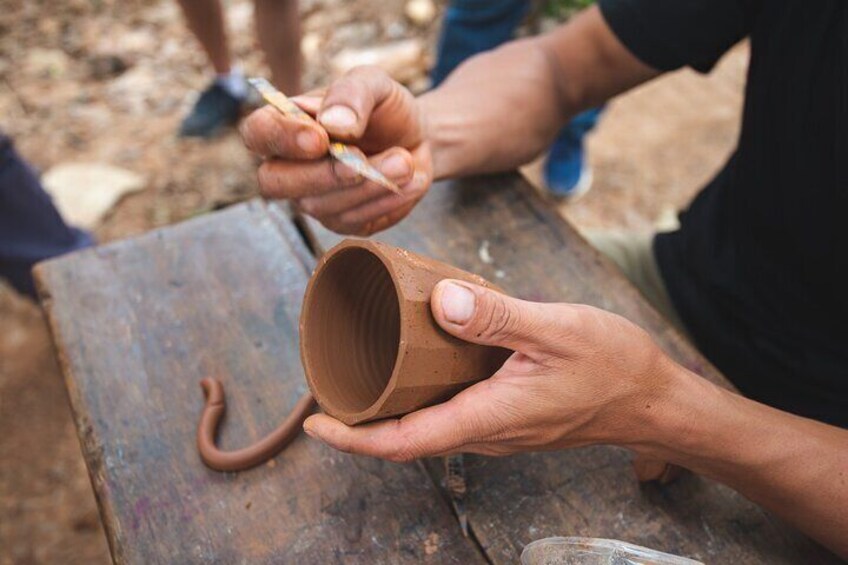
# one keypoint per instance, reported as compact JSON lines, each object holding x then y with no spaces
{"x":567,"y":174}
{"x":214,"y":110}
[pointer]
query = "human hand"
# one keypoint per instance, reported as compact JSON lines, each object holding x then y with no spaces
{"x":367,"y":109}
{"x":579,"y":376}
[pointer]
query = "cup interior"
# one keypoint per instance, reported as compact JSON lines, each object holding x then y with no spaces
{"x":352,"y":330}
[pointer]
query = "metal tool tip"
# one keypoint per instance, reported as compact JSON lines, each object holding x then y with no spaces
{"x":260,"y":83}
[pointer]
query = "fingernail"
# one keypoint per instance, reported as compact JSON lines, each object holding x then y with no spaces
{"x":395,"y":167}
{"x":338,"y":117}
{"x":308,"y":141}
{"x":309,"y":431}
{"x":458,"y":303}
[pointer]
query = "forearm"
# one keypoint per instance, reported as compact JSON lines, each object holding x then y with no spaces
{"x":501,"y":109}
{"x":793,"y":466}
{"x":496,"y":112}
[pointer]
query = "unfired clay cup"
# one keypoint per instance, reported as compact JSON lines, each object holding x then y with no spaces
{"x":369,"y":343}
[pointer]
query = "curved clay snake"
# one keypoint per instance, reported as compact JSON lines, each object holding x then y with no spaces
{"x":252,"y":455}
{"x":646,"y":469}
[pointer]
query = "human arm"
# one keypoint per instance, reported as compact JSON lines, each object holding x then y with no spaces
{"x":495,"y":112}
{"x":501,"y":109}
{"x":583,"y":376}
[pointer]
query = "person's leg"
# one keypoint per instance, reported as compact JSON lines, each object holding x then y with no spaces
{"x":633,"y":253}
{"x":205,"y":19}
{"x":278,"y":29}
{"x":31,"y":228}
{"x":473,"y":26}
{"x":219,"y":105}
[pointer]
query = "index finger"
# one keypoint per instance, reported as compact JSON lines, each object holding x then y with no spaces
{"x":437,"y":430}
{"x":268,"y":133}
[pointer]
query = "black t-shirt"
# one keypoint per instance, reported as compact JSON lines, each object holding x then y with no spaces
{"x":758,"y":270}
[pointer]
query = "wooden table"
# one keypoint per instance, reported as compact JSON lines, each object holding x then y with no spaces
{"x":138,"y":323}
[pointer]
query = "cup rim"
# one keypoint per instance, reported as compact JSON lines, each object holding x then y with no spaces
{"x":377,"y":250}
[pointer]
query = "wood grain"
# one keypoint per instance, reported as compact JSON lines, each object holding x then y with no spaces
{"x":500,"y":228}
{"x":138,"y":323}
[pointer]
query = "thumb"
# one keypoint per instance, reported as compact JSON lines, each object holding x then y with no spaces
{"x":481,"y":315}
{"x":349,"y":101}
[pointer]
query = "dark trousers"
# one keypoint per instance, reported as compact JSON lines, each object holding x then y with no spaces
{"x":31,"y":228}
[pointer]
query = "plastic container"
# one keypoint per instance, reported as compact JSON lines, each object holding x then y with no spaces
{"x":595,"y":551}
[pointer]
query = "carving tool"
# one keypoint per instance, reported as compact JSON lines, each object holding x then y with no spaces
{"x":455,"y":481}
{"x":348,"y":155}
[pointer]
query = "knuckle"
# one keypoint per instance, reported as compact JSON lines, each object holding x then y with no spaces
{"x":406,"y":449}
{"x":500,"y":321}
{"x":272,"y":181}
{"x":345,"y":88}
{"x":330,"y":224}
{"x":265,"y":178}
{"x":308,"y":206}
{"x":366,"y":71}
{"x":352,"y":217}
{"x":418,"y":185}
{"x":362,"y":83}
{"x":337,"y":226}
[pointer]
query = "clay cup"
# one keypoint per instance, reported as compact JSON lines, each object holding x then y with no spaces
{"x":369,"y":344}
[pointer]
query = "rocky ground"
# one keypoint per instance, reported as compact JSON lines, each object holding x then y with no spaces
{"x":108,"y":82}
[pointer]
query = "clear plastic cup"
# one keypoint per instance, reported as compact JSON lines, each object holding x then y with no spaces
{"x":595,"y":551}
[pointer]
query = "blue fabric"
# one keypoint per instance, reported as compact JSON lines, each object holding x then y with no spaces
{"x":31,"y":228}
{"x":474,"y":26}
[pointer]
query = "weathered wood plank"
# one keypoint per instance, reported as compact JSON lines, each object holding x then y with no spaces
{"x":511,"y":501}
{"x":137,"y":324}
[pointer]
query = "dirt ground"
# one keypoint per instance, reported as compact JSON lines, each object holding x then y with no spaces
{"x":108,"y":81}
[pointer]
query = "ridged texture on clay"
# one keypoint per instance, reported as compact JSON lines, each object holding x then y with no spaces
{"x":354,"y":330}
{"x":369,"y":344}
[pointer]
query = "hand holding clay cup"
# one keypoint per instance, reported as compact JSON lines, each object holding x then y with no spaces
{"x":579,"y":376}
{"x":370,"y":346}
{"x":370,"y":111}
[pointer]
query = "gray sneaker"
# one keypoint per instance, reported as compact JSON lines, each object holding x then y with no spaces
{"x":215,"y":110}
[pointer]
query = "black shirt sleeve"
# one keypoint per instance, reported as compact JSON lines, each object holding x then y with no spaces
{"x":669,"y":34}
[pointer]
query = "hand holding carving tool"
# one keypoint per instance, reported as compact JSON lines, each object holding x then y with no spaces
{"x":349,"y":156}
